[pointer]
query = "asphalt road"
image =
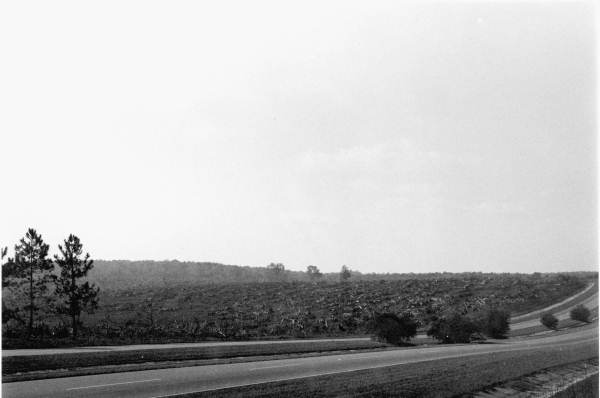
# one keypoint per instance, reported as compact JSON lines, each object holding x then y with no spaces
{"x":167,"y":382}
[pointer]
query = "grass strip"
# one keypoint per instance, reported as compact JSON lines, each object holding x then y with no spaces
{"x":20,"y":364}
{"x":586,"y":388}
{"x":134,"y":367}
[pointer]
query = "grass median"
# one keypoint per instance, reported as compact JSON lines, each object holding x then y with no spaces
{"x":36,"y":363}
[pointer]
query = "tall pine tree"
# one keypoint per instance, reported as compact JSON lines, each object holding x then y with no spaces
{"x":76,"y":296}
{"x":34,"y":271}
{"x":7,"y":267}
{"x":8,"y":273}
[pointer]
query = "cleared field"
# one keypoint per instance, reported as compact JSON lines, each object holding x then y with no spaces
{"x":258,"y":311}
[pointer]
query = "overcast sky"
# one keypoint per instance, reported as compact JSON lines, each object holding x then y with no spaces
{"x":390,"y":137}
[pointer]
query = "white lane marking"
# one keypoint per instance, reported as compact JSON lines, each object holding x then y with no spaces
{"x":273,"y":367}
{"x":112,"y":384}
{"x":372,"y":367}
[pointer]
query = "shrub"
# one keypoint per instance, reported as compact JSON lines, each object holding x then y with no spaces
{"x":393,"y":329}
{"x":455,"y":328}
{"x":580,"y":313}
{"x":495,"y":323}
{"x":550,"y":321}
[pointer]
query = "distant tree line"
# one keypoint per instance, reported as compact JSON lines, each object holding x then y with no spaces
{"x":126,"y":274}
{"x":35,"y":285}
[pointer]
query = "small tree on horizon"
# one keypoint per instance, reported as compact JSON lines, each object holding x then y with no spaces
{"x":313,"y":272}
{"x":278,"y":270}
{"x":33,"y":270}
{"x":345,"y":273}
{"x":76,"y":296}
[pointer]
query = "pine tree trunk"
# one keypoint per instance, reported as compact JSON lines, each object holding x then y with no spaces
{"x":74,"y":319}
{"x":30,"y":327}
{"x":72,"y":303}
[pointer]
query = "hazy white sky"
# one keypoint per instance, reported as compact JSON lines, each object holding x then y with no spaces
{"x":391,"y":137}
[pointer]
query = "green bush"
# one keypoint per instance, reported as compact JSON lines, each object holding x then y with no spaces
{"x":550,"y":321}
{"x":580,"y":313}
{"x":393,"y":329}
{"x":455,"y":328}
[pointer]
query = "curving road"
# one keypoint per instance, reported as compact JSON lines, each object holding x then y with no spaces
{"x":572,"y":301}
{"x":590,"y":302}
{"x":169,"y":382}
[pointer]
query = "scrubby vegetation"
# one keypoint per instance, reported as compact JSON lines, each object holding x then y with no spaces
{"x":550,"y":321}
{"x":581,"y":314}
{"x":455,"y":328}
{"x":394,"y":329}
{"x":495,"y":323}
{"x":460,"y":328}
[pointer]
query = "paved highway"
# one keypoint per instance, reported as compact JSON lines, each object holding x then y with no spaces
{"x":168,"y":382}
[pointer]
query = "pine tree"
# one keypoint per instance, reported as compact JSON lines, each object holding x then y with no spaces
{"x":345,"y":273}
{"x":7,"y":267}
{"x":76,"y":296}
{"x":8,"y":273}
{"x":34,"y":271}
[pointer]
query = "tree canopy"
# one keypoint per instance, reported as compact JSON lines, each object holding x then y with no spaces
{"x":75,"y":295}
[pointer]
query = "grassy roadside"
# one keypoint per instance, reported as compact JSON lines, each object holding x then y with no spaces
{"x":586,"y":388}
{"x":564,"y":324}
{"x":93,"y":370}
{"x":544,"y":383}
{"x":442,"y":378}
{"x":33,"y":363}
{"x":569,"y":303}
